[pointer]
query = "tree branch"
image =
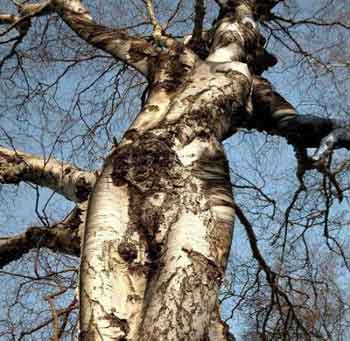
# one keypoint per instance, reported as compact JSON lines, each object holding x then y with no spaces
{"x":132,"y":50}
{"x":65,"y":179}
{"x":157,"y":28}
{"x":26,"y":11}
{"x":271,"y":276}
{"x":275,"y":115}
{"x":63,"y":237}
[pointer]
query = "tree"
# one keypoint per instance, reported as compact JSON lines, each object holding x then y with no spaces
{"x":156,"y":219}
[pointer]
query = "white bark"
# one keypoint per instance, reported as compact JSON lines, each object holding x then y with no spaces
{"x":160,"y":218}
{"x":134,"y":51}
{"x":63,"y":178}
{"x":111,"y":288}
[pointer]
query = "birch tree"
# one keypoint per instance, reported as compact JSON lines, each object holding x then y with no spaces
{"x":153,"y":225}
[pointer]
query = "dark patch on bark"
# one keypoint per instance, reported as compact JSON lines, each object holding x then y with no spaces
{"x":134,"y":298}
{"x":83,"y":190}
{"x":169,"y":70}
{"x":213,"y":271}
{"x":119,"y":323}
{"x":250,"y":35}
{"x":147,"y":164}
{"x":152,"y":107}
{"x":127,"y":251}
{"x":12,"y":169}
{"x":260,"y":60}
{"x":131,"y":134}
{"x":138,"y":51}
{"x":9,"y":158}
{"x":87,"y":335}
{"x":9,"y":254}
{"x":60,"y":239}
{"x":212,"y":169}
{"x":229,"y":37}
{"x":209,"y":119}
{"x":146,"y":220}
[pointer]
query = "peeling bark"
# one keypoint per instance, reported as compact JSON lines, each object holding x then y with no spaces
{"x":112,"y":274}
{"x":160,"y":217}
{"x":65,"y":179}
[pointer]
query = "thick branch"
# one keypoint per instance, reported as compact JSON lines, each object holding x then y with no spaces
{"x":63,"y":237}
{"x":72,"y":182}
{"x":236,"y":34}
{"x":134,"y":51}
{"x":8,"y":19}
{"x":261,"y":8}
{"x":26,"y":12}
{"x":274,"y":114}
{"x":198,"y":21}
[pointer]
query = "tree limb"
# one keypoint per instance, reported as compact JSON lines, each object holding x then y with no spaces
{"x":275,"y":115}
{"x":65,"y":179}
{"x":132,"y":50}
{"x":22,"y":21}
{"x":157,"y":28}
{"x":63,"y":237}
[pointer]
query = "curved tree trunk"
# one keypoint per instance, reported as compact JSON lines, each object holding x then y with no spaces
{"x":161,"y":215}
{"x":160,"y":218}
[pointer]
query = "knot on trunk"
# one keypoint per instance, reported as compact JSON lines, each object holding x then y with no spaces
{"x":127,"y":251}
{"x":147,"y":164}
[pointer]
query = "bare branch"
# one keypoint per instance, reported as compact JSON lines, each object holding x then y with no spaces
{"x":198,"y":20}
{"x":132,"y":50}
{"x":157,"y":28}
{"x":26,"y":11}
{"x":63,"y":237}
{"x":271,"y":276}
{"x":72,"y":182}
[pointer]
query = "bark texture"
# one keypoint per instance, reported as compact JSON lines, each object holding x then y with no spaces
{"x":161,"y":215}
{"x":65,"y":179}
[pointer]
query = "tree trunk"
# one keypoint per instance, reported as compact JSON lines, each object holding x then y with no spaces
{"x":160,"y":218}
